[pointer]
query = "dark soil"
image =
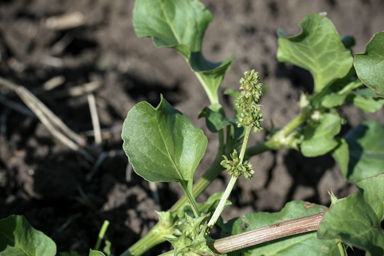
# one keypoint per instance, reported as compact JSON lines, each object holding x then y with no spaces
{"x":45,"y":181}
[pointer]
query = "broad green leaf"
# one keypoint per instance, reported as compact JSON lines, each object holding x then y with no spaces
{"x":341,"y":155}
{"x":95,"y":253}
{"x":181,"y":25}
{"x":303,"y":244}
{"x":18,"y":237}
{"x":366,"y":100}
{"x":366,"y":151}
{"x":162,"y":144}
{"x":318,"y":136}
{"x":318,"y":49}
{"x":357,"y":219}
{"x":370,"y":64}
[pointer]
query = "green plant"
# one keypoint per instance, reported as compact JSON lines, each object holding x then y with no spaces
{"x":164,"y":146}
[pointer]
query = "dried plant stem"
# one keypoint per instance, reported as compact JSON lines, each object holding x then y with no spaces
{"x":54,"y":124}
{"x":95,"y":119}
{"x":265,"y":234}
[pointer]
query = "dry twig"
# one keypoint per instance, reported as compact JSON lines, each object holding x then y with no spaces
{"x":54,"y":124}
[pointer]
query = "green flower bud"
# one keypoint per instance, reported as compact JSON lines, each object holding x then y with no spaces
{"x":236,"y":169}
{"x":250,"y":94}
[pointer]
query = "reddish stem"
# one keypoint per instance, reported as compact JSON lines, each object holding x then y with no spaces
{"x":265,"y":234}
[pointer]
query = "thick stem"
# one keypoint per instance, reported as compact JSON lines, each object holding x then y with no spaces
{"x":265,"y":234}
{"x":152,"y":238}
{"x":294,"y":123}
{"x":213,"y":98}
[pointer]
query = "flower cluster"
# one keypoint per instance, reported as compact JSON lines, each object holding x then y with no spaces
{"x":234,"y":167}
{"x":250,"y":94}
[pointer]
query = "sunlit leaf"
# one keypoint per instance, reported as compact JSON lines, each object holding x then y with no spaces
{"x":319,"y":136}
{"x":370,"y":64}
{"x":95,"y":253}
{"x":357,"y":219}
{"x":162,"y":144}
{"x":366,"y":99}
{"x":181,"y":25}
{"x":318,"y":49}
{"x":18,"y":237}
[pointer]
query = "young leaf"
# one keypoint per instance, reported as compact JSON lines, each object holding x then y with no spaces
{"x":303,"y":244}
{"x":370,"y":64}
{"x":181,"y":25}
{"x":162,"y":144}
{"x":357,"y":219}
{"x":215,"y":118}
{"x":18,"y":237}
{"x":318,"y":49}
{"x":333,"y":94}
{"x":318,"y":137}
{"x":366,"y":100}
{"x":332,"y":100}
{"x":366,"y":151}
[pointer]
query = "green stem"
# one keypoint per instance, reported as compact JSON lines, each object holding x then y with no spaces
{"x":341,"y":248}
{"x":205,"y":180}
{"x":192,"y":201}
{"x":101,"y":234}
{"x":154,"y":237}
{"x":264,"y":234}
{"x":245,"y":143}
{"x":213,"y":98}
{"x":198,"y":188}
{"x":223,"y":200}
{"x":278,"y":140}
{"x":219,"y":209}
{"x":294,"y":123}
